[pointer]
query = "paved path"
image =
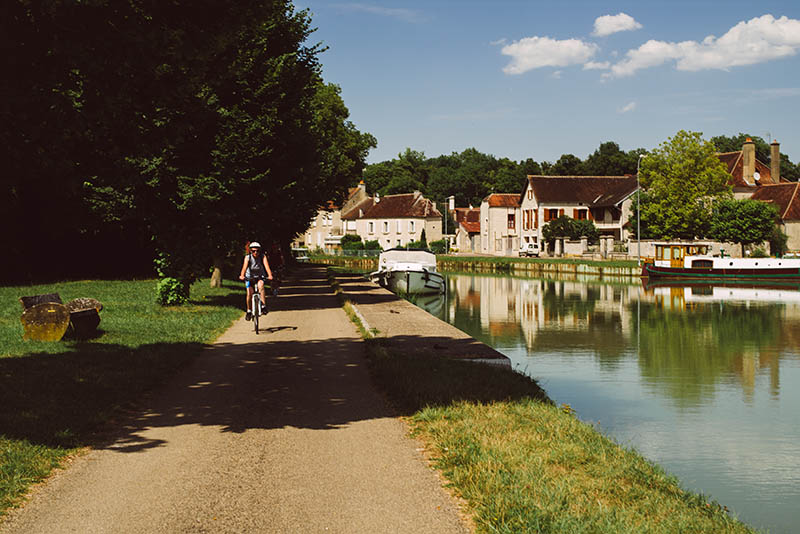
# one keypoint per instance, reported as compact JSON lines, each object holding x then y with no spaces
{"x":280,"y":432}
{"x":408,"y":328}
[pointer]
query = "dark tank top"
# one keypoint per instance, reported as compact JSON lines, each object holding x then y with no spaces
{"x":256,"y":267}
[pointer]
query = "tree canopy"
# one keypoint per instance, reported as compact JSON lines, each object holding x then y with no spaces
{"x":681,"y":179}
{"x":744,"y":221}
{"x":187,"y":126}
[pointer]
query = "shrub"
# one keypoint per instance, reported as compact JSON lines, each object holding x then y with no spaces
{"x":759,"y":252}
{"x":352,"y":242}
{"x":372,"y":245}
{"x":171,"y":292}
{"x":438,"y":247}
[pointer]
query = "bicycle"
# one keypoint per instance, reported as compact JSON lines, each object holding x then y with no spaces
{"x":256,"y":307}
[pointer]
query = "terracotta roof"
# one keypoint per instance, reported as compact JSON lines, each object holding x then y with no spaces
{"x":393,"y":207}
{"x":467,"y":214}
{"x":503,"y":200}
{"x":471,"y":227}
{"x":786,"y":198}
{"x":592,"y":191}
{"x":734,"y":162}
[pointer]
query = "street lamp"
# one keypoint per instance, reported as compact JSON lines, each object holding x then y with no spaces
{"x":638,"y":218}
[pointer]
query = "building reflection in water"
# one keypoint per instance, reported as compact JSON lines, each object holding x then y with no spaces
{"x":711,"y":333}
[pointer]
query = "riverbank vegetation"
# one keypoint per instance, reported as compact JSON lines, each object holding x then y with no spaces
{"x":55,"y":398}
{"x":525,"y":465}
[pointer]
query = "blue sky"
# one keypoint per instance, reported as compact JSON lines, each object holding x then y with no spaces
{"x":538,"y":79}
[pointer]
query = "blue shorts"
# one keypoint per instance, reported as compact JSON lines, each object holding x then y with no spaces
{"x":249,"y":281}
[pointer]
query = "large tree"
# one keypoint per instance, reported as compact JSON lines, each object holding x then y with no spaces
{"x":744,"y":221}
{"x":200,"y":124}
{"x":681,"y":179}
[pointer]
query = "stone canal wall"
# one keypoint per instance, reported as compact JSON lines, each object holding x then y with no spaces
{"x":493,"y":265}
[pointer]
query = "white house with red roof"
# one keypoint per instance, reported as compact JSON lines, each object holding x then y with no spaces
{"x":394,"y":220}
{"x":499,"y":224}
{"x":604,"y":200}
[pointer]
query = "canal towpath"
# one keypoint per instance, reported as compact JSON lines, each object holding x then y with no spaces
{"x":280,"y":432}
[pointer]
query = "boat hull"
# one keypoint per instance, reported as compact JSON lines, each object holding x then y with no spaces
{"x":410,"y":282}
{"x":653,"y":272}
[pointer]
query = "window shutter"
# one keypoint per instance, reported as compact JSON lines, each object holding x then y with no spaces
{"x":560,"y":212}
{"x":575,"y":213}
{"x":535,"y":219}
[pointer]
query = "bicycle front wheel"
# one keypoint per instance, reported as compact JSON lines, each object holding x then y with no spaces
{"x":256,"y":313}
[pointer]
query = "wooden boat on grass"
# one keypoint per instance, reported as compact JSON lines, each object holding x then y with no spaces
{"x":691,"y":262}
{"x":408,"y":271}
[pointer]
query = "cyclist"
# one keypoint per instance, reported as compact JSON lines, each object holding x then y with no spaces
{"x":255,"y":270}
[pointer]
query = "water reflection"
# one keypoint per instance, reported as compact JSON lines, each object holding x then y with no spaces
{"x":703,"y":379}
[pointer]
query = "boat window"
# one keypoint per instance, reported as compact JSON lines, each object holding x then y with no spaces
{"x":666,"y":253}
{"x":702,"y":264}
{"x":731,"y":263}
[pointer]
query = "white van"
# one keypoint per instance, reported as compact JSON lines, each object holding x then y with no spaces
{"x":529,"y":249}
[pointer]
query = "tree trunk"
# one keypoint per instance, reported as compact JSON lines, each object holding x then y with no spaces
{"x":216,"y":276}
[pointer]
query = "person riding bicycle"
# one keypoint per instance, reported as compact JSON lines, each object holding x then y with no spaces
{"x":255,"y":270}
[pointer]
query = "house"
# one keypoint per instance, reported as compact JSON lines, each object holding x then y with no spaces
{"x":327,"y":227}
{"x":468,"y":229}
{"x":785,"y":197}
{"x":604,"y":200}
{"x":394,"y":220}
{"x":748,"y":174}
{"x":499,"y":218}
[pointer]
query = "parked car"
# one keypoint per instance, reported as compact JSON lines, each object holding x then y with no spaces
{"x":529,"y":249}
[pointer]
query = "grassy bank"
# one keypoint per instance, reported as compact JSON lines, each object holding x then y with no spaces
{"x":523,"y":464}
{"x":55,"y":397}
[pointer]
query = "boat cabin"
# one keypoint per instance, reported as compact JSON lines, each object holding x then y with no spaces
{"x":673,"y":254}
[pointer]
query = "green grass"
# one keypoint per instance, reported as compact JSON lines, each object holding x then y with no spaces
{"x":523,"y":464}
{"x":55,"y":397}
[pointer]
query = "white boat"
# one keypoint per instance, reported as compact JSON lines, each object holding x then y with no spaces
{"x":405,"y":271}
{"x":690,"y":261}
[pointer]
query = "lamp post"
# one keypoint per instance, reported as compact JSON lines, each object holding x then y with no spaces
{"x":638,"y":218}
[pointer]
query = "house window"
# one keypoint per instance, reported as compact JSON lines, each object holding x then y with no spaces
{"x":550,"y":214}
{"x":580,"y":215}
{"x":385,"y":227}
{"x":411,"y":228}
{"x":530,"y":194}
{"x":371,"y":226}
{"x":512,"y":221}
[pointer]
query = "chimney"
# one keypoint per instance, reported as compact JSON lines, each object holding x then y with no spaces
{"x":749,"y":161}
{"x":362,"y":186}
{"x":377,"y":198}
{"x":451,"y":203}
{"x":775,"y":161}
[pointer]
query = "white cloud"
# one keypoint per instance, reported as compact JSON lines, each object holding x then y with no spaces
{"x":556,"y":75}
{"x":594,"y":65}
{"x":608,"y":24}
{"x":630,"y":106}
{"x":536,"y":52}
{"x":756,"y":41}
{"x":407,"y":15}
{"x":498,"y":42}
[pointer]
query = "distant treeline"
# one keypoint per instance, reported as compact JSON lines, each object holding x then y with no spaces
{"x":471,"y":175}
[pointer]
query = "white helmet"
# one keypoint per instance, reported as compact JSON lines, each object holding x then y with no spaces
{"x":255,"y":244}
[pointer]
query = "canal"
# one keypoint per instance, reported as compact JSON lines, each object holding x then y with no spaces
{"x":703,"y":380}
